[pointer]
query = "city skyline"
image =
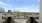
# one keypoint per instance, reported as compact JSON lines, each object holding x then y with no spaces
{"x":21,"y":5}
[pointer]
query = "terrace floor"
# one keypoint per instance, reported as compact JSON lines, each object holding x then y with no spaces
{"x":22,"y":20}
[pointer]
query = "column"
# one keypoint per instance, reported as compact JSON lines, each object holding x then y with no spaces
{"x":0,"y":18}
{"x":40,"y":16}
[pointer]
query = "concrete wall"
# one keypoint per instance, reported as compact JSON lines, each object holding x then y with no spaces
{"x":0,"y":18}
{"x":40,"y":11}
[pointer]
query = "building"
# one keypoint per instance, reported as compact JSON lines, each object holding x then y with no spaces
{"x":2,"y":10}
{"x":23,"y":14}
{"x":9,"y":11}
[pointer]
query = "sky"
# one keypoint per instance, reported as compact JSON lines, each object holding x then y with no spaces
{"x":21,"y":5}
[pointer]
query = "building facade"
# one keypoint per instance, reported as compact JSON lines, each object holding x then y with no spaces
{"x":9,"y":11}
{"x":2,"y":10}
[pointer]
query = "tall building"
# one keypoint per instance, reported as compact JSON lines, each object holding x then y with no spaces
{"x":2,"y":10}
{"x":9,"y":11}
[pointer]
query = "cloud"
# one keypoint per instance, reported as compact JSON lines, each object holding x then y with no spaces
{"x":23,"y":9}
{"x":2,"y":3}
{"x":17,"y":0}
{"x":8,"y":0}
{"x":9,"y":5}
{"x":38,"y":0}
{"x":28,"y":9}
{"x":32,"y":4}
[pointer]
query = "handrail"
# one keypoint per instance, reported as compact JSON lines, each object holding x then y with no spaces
{"x":37,"y":20}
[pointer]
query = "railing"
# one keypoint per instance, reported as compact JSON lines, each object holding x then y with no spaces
{"x":22,"y":20}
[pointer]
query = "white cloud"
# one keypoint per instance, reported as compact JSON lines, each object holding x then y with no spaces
{"x":9,"y":5}
{"x":2,"y":3}
{"x":17,"y":0}
{"x":38,"y":0}
{"x":23,"y":9}
{"x":27,"y":9}
{"x":8,"y":0}
{"x":24,"y":6}
{"x":32,"y":4}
